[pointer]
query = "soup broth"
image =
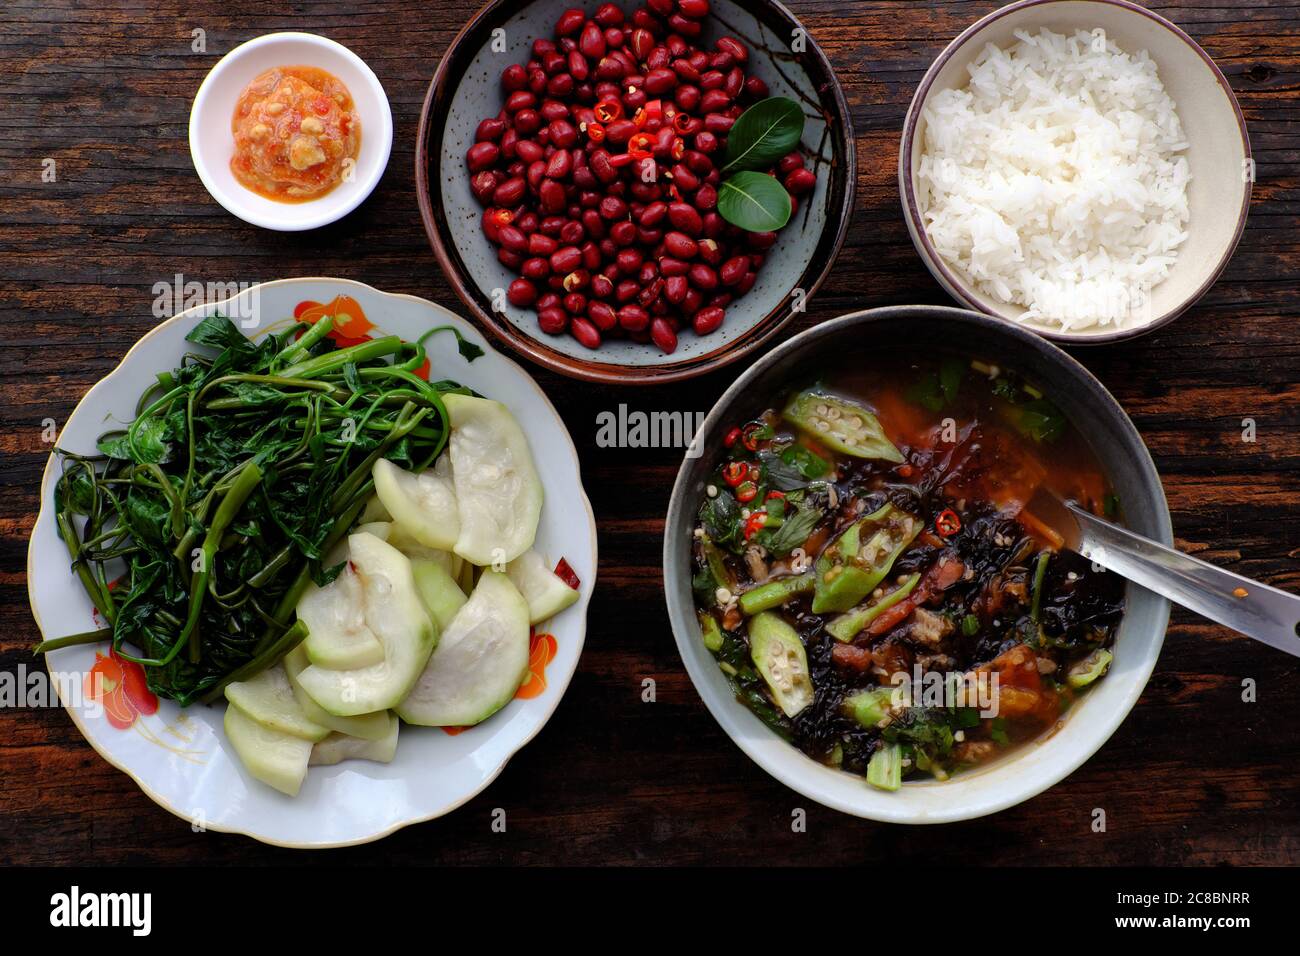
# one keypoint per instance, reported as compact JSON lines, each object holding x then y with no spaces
{"x":869,"y":577}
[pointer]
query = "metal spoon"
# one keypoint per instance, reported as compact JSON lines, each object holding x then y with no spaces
{"x":1247,"y":606}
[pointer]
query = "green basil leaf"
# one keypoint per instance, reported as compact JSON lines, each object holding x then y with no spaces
{"x":763,"y":134}
{"x":754,"y":201}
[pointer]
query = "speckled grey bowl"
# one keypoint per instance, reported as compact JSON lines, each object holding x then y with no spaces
{"x":466,"y":88}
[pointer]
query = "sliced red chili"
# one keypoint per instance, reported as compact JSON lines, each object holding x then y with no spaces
{"x":608,"y":110}
{"x":682,"y":123}
{"x":595,"y":132}
{"x":567,"y":575}
{"x":733,"y":436}
{"x":755,"y":523}
{"x":774,"y":496}
{"x":750,"y":441}
{"x":734,"y":472}
{"x":754,"y":473}
{"x":503,"y":217}
{"x":947,"y":524}
{"x":641,"y":146}
{"x":747,"y":491}
{"x":679,"y":147}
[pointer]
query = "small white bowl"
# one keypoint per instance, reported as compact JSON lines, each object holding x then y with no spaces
{"x":212,"y":144}
{"x":1218,"y":152}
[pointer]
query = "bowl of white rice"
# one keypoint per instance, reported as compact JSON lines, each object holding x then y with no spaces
{"x":1079,"y":167}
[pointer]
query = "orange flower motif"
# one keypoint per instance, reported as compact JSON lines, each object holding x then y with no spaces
{"x":351,"y":326}
{"x":541,"y":651}
{"x":120,"y":685}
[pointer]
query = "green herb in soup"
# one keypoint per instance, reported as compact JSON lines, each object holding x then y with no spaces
{"x":870,"y":580}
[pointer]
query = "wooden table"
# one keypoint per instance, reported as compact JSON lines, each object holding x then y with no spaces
{"x":1195,"y":775}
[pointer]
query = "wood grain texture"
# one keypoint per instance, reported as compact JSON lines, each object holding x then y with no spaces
{"x":1193,"y":776}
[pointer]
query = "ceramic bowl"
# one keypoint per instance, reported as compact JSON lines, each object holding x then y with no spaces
{"x":180,"y":756}
{"x":466,"y":88}
{"x":1218,"y":152}
{"x":212,"y":145}
{"x":1118,"y":447}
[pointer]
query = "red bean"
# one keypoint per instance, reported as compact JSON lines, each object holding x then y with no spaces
{"x":512,"y":238}
{"x":575,"y":280}
{"x":564,"y":261}
{"x":714,"y":101}
{"x":535,"y":268}
{"x":551,"y":195}
{"x":718,"y":123}
{"x":746,"y":283}
{"x":708,"y":319}
{"x":761,"y":240}
{"x":685,"y":218}
{"x":602,"y":286}
{"x":680,"y":246}
{"x":520,"y":100}
{"x":687,"y":96}
{"x":481,"y":156}
{"x":686,"y":27}
{"x":553,"y":321}
{"x":572,"y":233}
{"x":623,"y":233}
{"x":627,"y":290}
{"x":703,"y":277}
{"x":514,"y":77}
{"x":755,"y":88}
{"x":608,"y":15}
{"x":527,"y":122}
{"x":483,"y":184}
{"x":629,"y":260}
{"x":706,"y":197}
{"x":642,"y":42}
{"x":602,"y":315}
{"x":710,"y":251}
{"x":611,"y":207}
{"x":695,"y":9}
{"x":790,"y":162}
{"x":659,"y":81}
{"x":585,"y":333}
{"x":570,"y":22}
{"x":731,"y":45}
{"x":522,"y":293}
{"x":633,"y":317}
{"x":683,"y":178}
{"x":800,"y":181}
{"x":662,"y":7}
{"x":734,"y":269}
{"x":671,"y":266}
{"x":592,"y":41}
{"x":662,"y":334}
{"x":675,"y":289}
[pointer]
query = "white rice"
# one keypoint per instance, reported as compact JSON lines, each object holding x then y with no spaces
{"x":1054,"y":180}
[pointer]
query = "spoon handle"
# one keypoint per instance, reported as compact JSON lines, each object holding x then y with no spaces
{"x":1256,"y":610}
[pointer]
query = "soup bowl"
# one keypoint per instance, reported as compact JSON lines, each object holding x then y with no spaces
{"x":1123,"y":457}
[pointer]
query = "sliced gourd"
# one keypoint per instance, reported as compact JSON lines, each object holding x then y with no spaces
{"x":367,"y":726}
{"x":480,"y":661}
{"x":335,"y":615}
{"x":545,"y":591}
{"x":380,"y":529}
{"x":339,"y":747}
{"x":268,"y":699}
{"x":438,"y":590}
{"x":423,"y":505}
{"x":498,"y":493}
{"x":277,"y":759}
{"x":779,"y":655}
{"x":845,"y":426}
{"x":395,"y":616}
{"x":374,"y":511}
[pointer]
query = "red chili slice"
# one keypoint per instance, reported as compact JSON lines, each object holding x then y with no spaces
{"x":734,"y":472}
{"x":755,"y":523}
{"x":566,"y":574}
{"x":608,"y":110}
{"x":733,"y":436}
{"x":947,"y":524}
{"x":746,"y":491}
{"x":595,"y":132}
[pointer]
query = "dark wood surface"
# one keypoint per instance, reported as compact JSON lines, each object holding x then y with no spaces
{"x":1194,"y":775}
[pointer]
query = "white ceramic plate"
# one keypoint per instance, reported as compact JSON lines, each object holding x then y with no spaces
{"x":212,"y":145}
{"x":180,"y":758}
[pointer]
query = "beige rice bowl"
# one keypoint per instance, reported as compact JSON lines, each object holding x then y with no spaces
{"x":1056,"y":179}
